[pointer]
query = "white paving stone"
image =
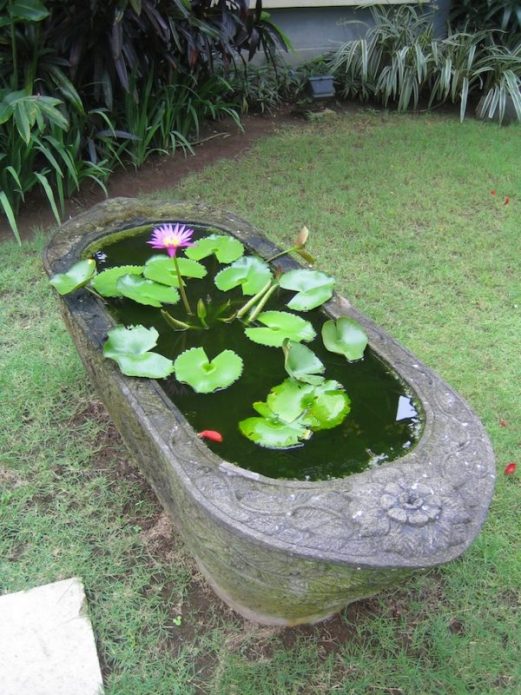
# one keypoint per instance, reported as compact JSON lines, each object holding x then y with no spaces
{"x":46,"y":642}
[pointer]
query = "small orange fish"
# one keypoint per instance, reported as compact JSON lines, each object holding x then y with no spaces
{"x":211,"y":435}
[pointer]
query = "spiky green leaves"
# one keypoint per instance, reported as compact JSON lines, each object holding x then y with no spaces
{"x":293,"y":411}
{"x":193,"y":367}
{"x":226,"y":248}
{"x":313,"y":287}
{"x":78,"y":276}
{"x":278,"y":327}
{"x":346,"y":337}
{"x":249,"y":273}
{"x":130,"y":347}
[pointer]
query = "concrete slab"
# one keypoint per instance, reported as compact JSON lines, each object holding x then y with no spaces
{"x":47,"y":645}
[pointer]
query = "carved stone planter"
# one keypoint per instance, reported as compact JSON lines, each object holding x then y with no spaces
{"x":287,"y":552}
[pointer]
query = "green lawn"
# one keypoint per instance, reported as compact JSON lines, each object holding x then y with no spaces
{"x":401,"y":211}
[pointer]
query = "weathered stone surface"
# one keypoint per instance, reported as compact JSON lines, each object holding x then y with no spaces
{"x":286,"y":552}
{"x":46,"y":642}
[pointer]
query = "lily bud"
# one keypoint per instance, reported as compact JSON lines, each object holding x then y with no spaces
{"x":302,"y":237}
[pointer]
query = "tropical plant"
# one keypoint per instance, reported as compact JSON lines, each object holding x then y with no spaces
{"x":306,"y":401}
{"x":392,"y":62}
{"x":146,"y":70}
{"x":503,"y":17}
{"x":263,"y":87}
{"x":499,"y":70}
{"x":399,"y":61}
{"x":110,"y":44}
{"x":25,"y":136}
{"x":41,"y":117}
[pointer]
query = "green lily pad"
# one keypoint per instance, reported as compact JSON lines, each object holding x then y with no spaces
{"x":129,"y":347}
{"x":294,"y":410}
{"x":273,"y":434}
{"x":302,"y":364}
{"x":313,"y":287}
{"x":226,"y":248}
{"x":105,"y":282}
{"x":288,"y":401}
{"x":318,"y":407}
{"x":345,"y":337}
{"x":146,"y":291}
{"x":249,"y":272}
{"x":280,"y":326}
{"x":77,"y":276}
{"x":328,"y":406}
{"x":193,"y":367}
{"x":162,"y":269}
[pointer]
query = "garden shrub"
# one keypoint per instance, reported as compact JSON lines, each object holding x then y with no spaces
{"x":86,"y":86}
{"x":501,"y":17}
{"x":400,"y":62}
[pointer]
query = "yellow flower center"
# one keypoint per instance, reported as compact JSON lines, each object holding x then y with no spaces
{"x":171,"y":240}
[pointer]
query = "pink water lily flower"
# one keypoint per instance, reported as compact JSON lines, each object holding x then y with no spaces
{"x":171,"y":237}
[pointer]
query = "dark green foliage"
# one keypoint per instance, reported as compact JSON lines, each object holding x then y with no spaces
{"x":500,"y":16}
{"x":114,"y":45}
{"x":262,"y":88}
{"x":148,"y":72}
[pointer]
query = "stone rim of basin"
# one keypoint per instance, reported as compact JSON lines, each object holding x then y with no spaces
{"x":421,"y":510}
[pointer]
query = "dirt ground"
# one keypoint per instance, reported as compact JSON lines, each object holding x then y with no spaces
{"x":217,"y":141}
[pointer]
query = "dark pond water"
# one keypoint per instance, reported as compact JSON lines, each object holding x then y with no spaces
{"x":384,"y":421}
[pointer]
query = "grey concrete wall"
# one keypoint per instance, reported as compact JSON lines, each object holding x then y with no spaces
{"x":314,"y":31}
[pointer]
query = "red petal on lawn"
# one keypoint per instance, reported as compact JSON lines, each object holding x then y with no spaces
{"x":211,"y":435}
{"x":507,"y":200}
{"x":493,"y":191}
{"x":510,"y":469}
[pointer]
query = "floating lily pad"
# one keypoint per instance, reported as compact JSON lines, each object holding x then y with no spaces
{"x":193,"y":367}
{"x":302,"y":364}
{"x":249,"y":272}
{"x":273,"y":434}
{"x":313,"y":287}
{"x":226,"y":248}
{"x":288,"y":401}
{"x":146,"y":291}
{"x":328,"y":407}
{"x":293,"y":410}
{"x":129,"y":347}
{"x":346,"y":337}
{"x":162,"y":269}
{"x":77,"y":276}
{"x":280,"y":326}
{"x":105,"y":282}
{"x":318,"y":407}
